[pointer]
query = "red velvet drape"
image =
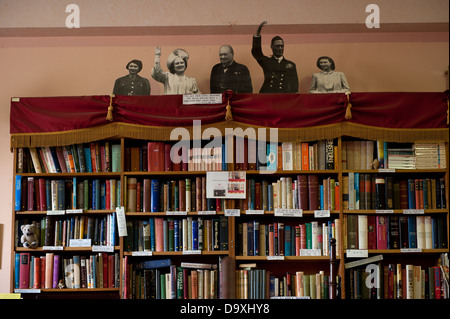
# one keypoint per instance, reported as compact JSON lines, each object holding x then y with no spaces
{"x":385,"y":110}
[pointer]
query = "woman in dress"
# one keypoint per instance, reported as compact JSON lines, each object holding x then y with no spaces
{"x":175,"y":81}
{"x":328,"y":81}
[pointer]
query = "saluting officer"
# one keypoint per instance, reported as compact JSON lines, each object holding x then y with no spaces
{"x":280,"y":75}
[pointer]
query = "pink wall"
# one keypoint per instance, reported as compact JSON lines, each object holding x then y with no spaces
{"x":61,"y":66}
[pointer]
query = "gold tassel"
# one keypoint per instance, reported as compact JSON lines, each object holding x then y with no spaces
{"x":348,"y":112}
{"x":228,"y":115}
{"x":109,"y":115}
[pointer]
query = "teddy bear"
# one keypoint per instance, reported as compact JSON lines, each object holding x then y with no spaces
{"x":28,"y":238}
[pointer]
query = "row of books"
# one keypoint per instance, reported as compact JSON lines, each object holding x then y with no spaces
{"x":396,"y":232}
{"x":160,"y":279}
{"x":154,"y":195}
{"x":281,"y":239}
{"x":373,"y":191}
{"x":40,"y":194}
{"x":177,"y":234}
{"x":397,"y":281}
{"x":252,"y":283}
{"x":164,"y":156}
{"x":360,"y":154}
{"x":72,"y":231}
{"x":78,"y":158}
{"x":306,"y":192}
{"x":53,"y":271}
{"x":245,"y":154}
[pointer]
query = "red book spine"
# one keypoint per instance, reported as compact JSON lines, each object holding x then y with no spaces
{"x":198,"y":193}
{"x":147,"y":196}
{"x":303,"y":192}
{"x":111,"y":271}
{"x":337,"y":198}
{"x":182,"y":194}
{"x":107,"y":195}
{"x":93,"y":157}
{"x":305,"y":156}
{"x":297,"y":240}
{"x":421,"y":200}
{"x":155,"y":156}
{"x":371,"y":232}
{"x":24,"y":271}
{"x":313,"y":192}
{"x":302,"y":236}
{"x":138,"y":196}
{"x":42,"y":195}
{"x":437,"y":283}
{"x":167,"y":159}
{"x":416,"y":191}
{"x":271,"y":240}
{"x":37,"y":273}
{"x":257,"y":195}
{"x":381,"y":232}
{"x":105,"y":270}
{"x":404,"y":194}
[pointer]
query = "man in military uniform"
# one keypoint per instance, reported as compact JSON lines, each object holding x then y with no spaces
{"x":132,"y":84}
{"x":280,"y":75}
{"x":229,"y":75}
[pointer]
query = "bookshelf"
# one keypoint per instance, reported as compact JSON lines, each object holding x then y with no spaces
{"x":179,"y":238}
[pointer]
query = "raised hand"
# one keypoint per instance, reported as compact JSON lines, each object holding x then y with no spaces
{"x":258,"y":31}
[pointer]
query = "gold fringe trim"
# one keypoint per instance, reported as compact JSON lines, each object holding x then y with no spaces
{"x":160,"y":133}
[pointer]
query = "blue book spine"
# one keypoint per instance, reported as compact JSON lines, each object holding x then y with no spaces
{"x":17,"y":270}
{"x":18,"y":195}
{"x":48,"y":193}
{"x":224,"y":159}
{"x":102,"y":195}
{"x":321,"y":196}
{"x":252,"y":194}
{"x":152,"y":234}
{"x":256,"y":238}
{"x":270,"y":197}
{"x":412,"y":232}
{"x":155,"y":197}
{"x":74,"y":193}
{"x":330,"y":231}
{"x":55,"y":160}
{"x":151,"y":264}
{"x":272,"y":156}
{"x":94,"y":272}
{"x":434,"y":233}
{"x":113,"y":230}
{"x":87,"y":156}
{"x":356,"y":187}
{"x":194,"y":234}
{"x":98,"y":194}
{"x":166,"y":234}
{"x":250,"y":251}
{"x":411,"y":194}
{"x":176,"y":234}
{"x":287,"y":240}
{"x":425,"y":193}
{"x":102,"y":232}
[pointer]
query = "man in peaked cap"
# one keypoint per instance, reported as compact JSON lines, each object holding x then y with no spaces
{"x":280,"y":75}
